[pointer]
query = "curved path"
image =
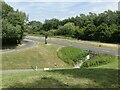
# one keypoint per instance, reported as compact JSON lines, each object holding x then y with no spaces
{"x":92,"y":48}
{"x":31,"y":70}
{"x":29,"y":42}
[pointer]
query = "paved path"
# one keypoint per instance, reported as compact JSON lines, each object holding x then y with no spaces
{"x":92,"y":48}
{"x":29,"y":42}
{"x":31,"y":70}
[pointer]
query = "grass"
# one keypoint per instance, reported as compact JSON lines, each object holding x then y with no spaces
{"x":45,"y":56}
{"x":105,"y":77}
{"x":71,"y":55}
{"x":42,"y":56}
{"x":113,"y":64}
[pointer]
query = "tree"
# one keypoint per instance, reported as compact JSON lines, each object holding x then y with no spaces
{"x":79,"y":33}
{"x":33,"y":26}
{"x":10,"y":33}
{"x":68,"y":29}
{"x":12,"y":24}
{"x":102,"y":33}
{"x":5,"y":9}
{"x":115,"y":35}
{"x":51,"y":24}
{"x":89,"y":32}
{"x":52,"y":32}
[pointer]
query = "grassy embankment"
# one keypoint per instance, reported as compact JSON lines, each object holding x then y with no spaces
{"x":103,"y":76}
{"x":43,"y":56}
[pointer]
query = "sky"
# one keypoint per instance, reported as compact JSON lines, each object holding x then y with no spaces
{"x":40,"y":10}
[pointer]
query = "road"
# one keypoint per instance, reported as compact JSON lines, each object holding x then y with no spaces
{"x":29,"y":42}
{"x":86,"y":47}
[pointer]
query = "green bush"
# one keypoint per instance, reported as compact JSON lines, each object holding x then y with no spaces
{"x":99,"y":59}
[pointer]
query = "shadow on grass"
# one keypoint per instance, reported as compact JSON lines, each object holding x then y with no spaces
{"x":103,"y":77}
{"x":44,"y":82}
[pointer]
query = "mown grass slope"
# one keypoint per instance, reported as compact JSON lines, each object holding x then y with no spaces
{"x":103,"y":77}
{"x":42,"y":56}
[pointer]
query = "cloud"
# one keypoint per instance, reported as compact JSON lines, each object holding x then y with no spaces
{"x":100,"y":7}
{"x":61,"y":10}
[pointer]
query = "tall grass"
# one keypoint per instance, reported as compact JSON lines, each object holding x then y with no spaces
{"x":72,"y":55}
{"x":99,"y":59}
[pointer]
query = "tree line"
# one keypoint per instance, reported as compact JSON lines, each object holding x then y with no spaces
{"x":103,"y":27}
